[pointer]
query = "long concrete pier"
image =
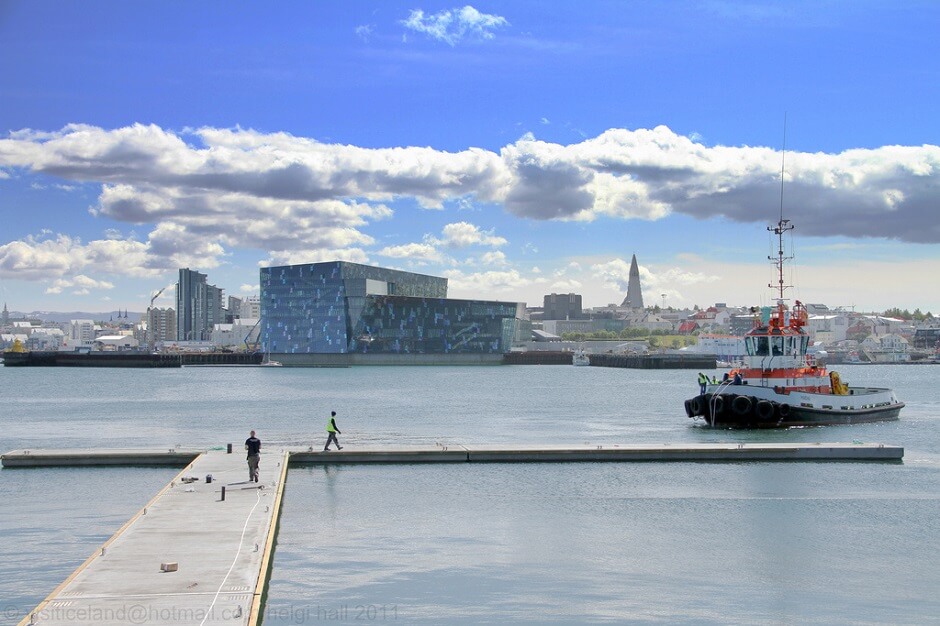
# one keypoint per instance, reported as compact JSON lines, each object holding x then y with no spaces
{"x":723,"y":452}
{"x":463,"y":453}
{"x":190,"y":556}
{"x":76,"y":457}
{"x":200,"y":552}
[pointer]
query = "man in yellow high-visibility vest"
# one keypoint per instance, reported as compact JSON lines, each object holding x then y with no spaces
{"x":333,"y":431}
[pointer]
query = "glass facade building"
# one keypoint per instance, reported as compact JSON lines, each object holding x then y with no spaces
{"x":192,"y":306}
{"x":341,"y":308}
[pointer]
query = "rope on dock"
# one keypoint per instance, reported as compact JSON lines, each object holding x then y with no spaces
{"x":234,"y":561}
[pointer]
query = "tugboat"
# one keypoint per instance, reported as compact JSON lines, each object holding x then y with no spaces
{"x":780,"y":384}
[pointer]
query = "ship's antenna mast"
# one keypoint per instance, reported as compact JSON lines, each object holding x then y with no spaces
{"x":782,"y":226}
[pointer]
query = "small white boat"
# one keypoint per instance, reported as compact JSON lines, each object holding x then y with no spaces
{"x":267,"y":362}
{"x":580,"y":358}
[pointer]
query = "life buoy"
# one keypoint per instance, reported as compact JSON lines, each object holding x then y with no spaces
{"x":783,"y":409}
{"x":764,"y":410}
{"x":741,"y":405}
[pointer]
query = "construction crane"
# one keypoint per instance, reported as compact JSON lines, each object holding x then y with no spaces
{"x":249,"y":347}
{"x":155,"y":296}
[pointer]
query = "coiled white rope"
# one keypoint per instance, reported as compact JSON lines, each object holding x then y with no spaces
{"x":241,"y":541}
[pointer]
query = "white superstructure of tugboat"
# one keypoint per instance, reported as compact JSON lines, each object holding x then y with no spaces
{"x":779,"y":384}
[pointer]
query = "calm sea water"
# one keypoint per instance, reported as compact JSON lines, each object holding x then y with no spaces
{"x":566,"y":543}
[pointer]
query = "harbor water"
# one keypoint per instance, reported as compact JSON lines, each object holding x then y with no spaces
{"x":502,"y":543}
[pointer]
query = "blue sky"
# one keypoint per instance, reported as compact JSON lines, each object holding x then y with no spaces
{"x":518,"y":148}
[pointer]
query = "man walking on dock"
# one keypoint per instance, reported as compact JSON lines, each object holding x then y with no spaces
{"x":253,"y":445}
{"x":333,"y":431}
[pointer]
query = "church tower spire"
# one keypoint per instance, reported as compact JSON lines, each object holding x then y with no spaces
{"x":634,"y":299}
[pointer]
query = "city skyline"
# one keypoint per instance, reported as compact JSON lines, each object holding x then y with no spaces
{"x":516,"y":150}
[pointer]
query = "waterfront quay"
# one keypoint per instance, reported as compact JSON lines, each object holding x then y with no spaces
{"x":235,"y":359}
{"x":631,"y":361}
{"x":200,"y":551}
{"x":129,"y":359}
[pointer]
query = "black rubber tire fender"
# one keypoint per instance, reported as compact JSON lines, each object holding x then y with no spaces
{"x":741,"y":405}
{"x":764,"y":410}
{"x":718,"y":404}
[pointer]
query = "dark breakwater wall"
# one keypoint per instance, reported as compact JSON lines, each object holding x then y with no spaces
{"x":655,"y":361}
{"x":634,"y":361}
{"x":125,"y":359}
{"x":540,"y":357}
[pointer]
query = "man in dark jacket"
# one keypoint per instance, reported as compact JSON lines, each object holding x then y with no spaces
{"x":253,"y":445}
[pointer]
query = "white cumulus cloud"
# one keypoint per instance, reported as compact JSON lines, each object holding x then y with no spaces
{"x":422,"y":251}
{"x":204,"y":192}
{"x":464,"y":234}
{"x":494,"y":257}
{"x":453,"y":25}
{"x":85,"y":284}
{"x":466,"y":285}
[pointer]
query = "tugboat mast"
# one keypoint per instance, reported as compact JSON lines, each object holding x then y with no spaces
{"x":782,"y":226}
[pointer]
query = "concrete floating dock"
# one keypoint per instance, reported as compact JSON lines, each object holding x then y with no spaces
{"x":189,"y":556}
{"x":723,"y":452}
{"x":171,"y":457}
{"x":200,"y":552}
{"x":457,"y":453}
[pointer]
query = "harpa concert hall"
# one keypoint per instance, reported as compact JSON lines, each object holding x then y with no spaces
{"x":340,"y":313}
